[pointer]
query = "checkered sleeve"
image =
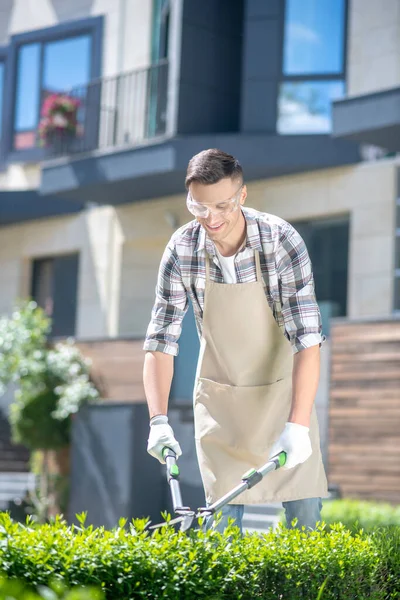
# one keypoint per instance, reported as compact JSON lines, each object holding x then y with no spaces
{"x":300,"y":311}
{"x":170,"y":306}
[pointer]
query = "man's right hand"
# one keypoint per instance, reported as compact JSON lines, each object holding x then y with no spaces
{"x":161,"y":436}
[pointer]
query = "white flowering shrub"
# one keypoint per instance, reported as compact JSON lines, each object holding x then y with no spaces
{"x":53,"y":382}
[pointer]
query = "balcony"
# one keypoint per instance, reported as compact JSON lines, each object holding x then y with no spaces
{"x":127,"y":110}
{"x":369,"y":119}
{"x":129,"y":146}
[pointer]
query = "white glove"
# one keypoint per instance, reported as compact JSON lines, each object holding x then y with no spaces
{"x":295,"y":441}
{"x":161,"y":436}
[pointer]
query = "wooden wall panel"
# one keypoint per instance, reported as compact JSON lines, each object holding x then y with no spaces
{"x":117,"y":368}
{"x":364,"y":411}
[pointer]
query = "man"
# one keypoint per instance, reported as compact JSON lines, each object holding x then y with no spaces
{"x":249,"y":277}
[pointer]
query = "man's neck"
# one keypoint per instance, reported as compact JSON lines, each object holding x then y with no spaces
{"x":232,"y":245}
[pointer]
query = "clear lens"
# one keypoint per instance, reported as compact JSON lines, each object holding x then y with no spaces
{"x":202,"y":211}
{"x":198,"y":210}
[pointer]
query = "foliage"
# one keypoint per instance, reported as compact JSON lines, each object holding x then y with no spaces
{"x":58,"y":116}
{"x":53,"y":382}
{"x":14,"y":589}
{"x":360,"y":514}
{"x":23,"y":341}
{"x":387,"y":541}
{"x":128,"y":562}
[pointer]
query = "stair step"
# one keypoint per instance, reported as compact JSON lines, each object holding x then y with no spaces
{"x":13,"y":457}
{"x":15,"y":465}
{"x":261,"y":517}
{"x":253,"y":518}
{"x":267,"y":509}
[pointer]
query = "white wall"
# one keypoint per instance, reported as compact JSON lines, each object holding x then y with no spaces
{"x":373,"y":57}
{"x":95,"y":234}
{"x":366,"y":192}
{"x":121,"y":247}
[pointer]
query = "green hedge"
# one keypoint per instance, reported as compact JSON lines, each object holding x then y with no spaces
{"x":14,"y":589}
{"x":128,"y":562}
{"x":358,"y":514}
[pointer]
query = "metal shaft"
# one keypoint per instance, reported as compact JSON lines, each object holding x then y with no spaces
{"x":239,"y":489}
{"x":228,"y":497}
{"x":269,"y":466}
{"x":176,"y":494}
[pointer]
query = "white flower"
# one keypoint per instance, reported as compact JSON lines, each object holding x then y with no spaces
{"x":60,"y":120}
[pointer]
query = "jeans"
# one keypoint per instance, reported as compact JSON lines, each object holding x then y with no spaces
{"x":307,"y":512}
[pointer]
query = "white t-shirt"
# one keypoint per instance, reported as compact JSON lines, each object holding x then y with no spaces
{"x":227,"y":267}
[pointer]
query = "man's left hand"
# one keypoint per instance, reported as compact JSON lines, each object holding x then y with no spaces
{"x":295,"y":441}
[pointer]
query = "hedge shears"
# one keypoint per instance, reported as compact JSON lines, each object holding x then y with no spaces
{"x":185,"y":515}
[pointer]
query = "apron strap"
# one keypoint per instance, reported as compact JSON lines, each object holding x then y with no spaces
{"x":260,"y":278}
{"x":207,"y":267}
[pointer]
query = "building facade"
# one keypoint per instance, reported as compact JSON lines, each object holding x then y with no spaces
{"x":305,"y":94}
{"x":160,"y":81}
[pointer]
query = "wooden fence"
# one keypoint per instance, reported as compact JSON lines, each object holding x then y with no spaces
{"x":117,"y":368}
{"x":364,"y":408}
{"x":364,"y":412}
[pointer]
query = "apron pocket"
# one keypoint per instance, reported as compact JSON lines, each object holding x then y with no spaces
{"x":245,"y":420}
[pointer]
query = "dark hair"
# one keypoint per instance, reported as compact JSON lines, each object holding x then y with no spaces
{"x":210,"y":166}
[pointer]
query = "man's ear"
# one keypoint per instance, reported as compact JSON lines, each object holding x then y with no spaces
{"x":244,"y":195}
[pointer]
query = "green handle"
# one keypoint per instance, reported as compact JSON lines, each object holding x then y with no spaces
{"x":174,"y":470}
{"x":282,"y":457}
{"x":170,"y":458}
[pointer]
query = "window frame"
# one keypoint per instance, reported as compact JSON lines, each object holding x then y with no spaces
{"x":161,"y":11}
{"x":92,"y":26}
{"x":319,"y":77}
{"x":34,"y":280}
{"x":396,"y":270}
{"x":312,"y":225}
{"x":3,"y":59}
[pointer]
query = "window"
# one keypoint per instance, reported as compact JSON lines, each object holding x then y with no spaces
{"x":159,"y":73}
{"x":396,"y":303}
{"x":40,"y":63}
{"x":160,"y":37}
{"x":54,"y":288}
{"x":39,"y":75}
{"x":313,"y":69}
{"x":3,"y":87}
{"x":327,"y":242}
{"x":1,"y":95}
{"x":397,"y":293}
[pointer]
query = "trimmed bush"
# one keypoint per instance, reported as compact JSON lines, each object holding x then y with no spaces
{"x":128,"y":562}
{"x":387,"y":542}
{"x":13,"y":589}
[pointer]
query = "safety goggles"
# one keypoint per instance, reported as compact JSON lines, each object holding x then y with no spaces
{"x":222,"y":208}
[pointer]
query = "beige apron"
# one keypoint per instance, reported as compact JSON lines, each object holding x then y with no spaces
{"x":242,"y":397}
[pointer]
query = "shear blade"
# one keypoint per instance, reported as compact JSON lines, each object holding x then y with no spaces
{"x":187,"y":521}
{"x":172,"y":522}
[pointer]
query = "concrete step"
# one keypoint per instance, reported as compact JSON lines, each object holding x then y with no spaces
{"x":13,"y":457}
{"x":9,"y":466}
{"x":261,"y":517}
{"x":15,"y":485}
{"x":266,"y":509}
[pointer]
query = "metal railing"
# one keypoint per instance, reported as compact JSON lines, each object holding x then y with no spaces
{"x":125,"y":110}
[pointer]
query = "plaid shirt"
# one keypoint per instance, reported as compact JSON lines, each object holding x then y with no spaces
{"x":286,"y":269}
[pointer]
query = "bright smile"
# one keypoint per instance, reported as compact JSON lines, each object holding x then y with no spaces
{"x":216,"y":228}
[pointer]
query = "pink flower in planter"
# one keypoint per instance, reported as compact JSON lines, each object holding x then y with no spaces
{"x":59,"y":114}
